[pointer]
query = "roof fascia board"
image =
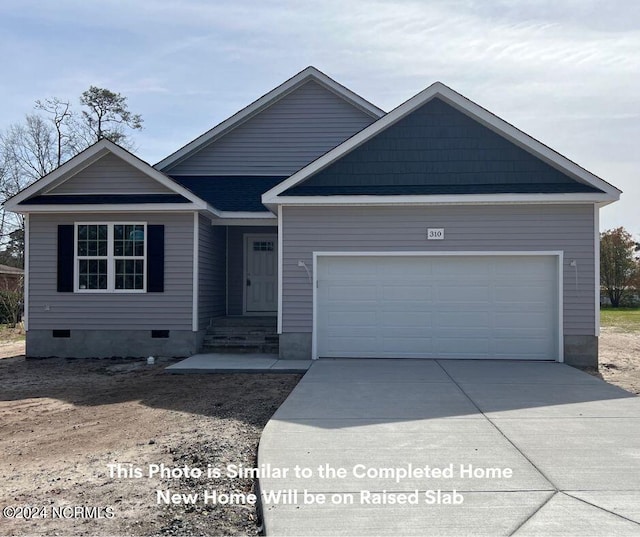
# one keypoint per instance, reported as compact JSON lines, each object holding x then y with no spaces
{"x":245,"y":222}
{"x":88,"y":157}
{"x":247,"y":214}
{"x":310,"y":73}
{"x":109,"y":208}
{"x":464,"y":105}
{"x":458,"y":199}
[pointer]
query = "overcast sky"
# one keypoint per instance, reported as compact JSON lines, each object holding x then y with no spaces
{"x":565,"y":71}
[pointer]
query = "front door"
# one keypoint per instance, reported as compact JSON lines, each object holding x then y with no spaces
{"x":261,"y":273}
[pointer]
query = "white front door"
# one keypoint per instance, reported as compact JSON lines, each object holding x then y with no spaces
{"x":261,"y":271}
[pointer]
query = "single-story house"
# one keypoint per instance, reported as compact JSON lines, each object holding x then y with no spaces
{"x":434,"y":230}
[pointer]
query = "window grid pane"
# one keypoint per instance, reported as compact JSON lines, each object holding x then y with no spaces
{"x":129,"y":273}
{"x":92,"y":273}
{"x":263,"y":246}
{"x":128,"y":240}
{"x":92,"y":240}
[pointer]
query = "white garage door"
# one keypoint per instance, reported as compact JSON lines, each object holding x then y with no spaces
{"x":437,"y":307}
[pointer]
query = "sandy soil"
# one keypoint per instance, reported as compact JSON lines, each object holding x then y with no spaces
{"x":620,"y":358}
{"x":9,"y":349}
{"x":63,"y":421}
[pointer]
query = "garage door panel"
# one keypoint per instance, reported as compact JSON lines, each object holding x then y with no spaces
{"x":405,"y":332}
{"x":454,"y":346}
{"x":406,"y":346}
{"x":470,"y":319}
{"x":451,"y":268}
{"x":349,"y":267}
{"x":352,"y":318}
{"x":523,"y":268}
{"x":438,"y":306}
{"x":531,"y":294}
{"x":411,"y":269}
{"x":533,"y":347}
{"x":523,"y":321}
{"x":352,"y":346}
{"x":406,"y":292}
{"x":467,"y":292}
{"x":407,"y":319}
{"x":351,"y":292}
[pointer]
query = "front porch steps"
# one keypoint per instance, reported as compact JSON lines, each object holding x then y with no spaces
{"x":242,"y":335}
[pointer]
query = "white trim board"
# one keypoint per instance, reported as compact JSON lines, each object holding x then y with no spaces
{"x":596,"y":258}
{"x":280,"y":254}
{"x":465,"y":106}
{"x":108,"y":208}
{"x":25,"y":281}
{"x":457,"y":199}
{"x":261,"y":222}
{"x":304,"y":76}
{"x":558,"y":254}
{"x":195,"y":321}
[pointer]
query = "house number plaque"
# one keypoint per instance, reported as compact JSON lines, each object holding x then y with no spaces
{"x":435,"y":233}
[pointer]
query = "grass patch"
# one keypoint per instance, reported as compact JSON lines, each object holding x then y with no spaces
{"x":623,"y":319}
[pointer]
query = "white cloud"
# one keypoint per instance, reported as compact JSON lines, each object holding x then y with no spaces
{"x":566,"y":72}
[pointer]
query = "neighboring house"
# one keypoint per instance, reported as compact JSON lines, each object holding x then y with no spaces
{"x":436,"y":230}
{"x":10,"y":278}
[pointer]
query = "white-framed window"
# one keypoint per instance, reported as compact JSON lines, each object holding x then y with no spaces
{"x":110,"y":257}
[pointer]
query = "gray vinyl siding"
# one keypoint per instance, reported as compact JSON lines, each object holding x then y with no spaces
{"x":567,"y":228}
{"x":235,"y":262}
{"x":281,"y":139}
{"x":170,"y":310}
{"x":110,"y":175}
{"x":212,"y":272}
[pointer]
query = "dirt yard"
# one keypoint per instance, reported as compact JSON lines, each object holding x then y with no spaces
{"x":620,"y":357}
{"x":63,"y":421}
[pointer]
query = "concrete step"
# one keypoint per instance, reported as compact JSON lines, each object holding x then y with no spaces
{"x":233,"y":322}
{"x":239,"y":331}
{"x":231,"y":348}
{"x":248,"y":338}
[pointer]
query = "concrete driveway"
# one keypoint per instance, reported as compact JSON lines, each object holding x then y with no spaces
{"x":531,"y":448}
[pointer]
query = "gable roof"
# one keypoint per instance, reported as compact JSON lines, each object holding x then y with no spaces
{"x":293,"y":189}
{"x":82,"y":160}
{"x":264,"y":102}
{"x":437,"y":150}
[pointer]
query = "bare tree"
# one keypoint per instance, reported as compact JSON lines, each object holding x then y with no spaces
{"x":619,"y":269}
{"x":11,"y":301}
{"x":61,"y":117}
{"x":27,"y":153}
{"x":45,"y":140}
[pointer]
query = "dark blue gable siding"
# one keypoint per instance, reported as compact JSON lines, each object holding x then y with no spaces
{"x":437,"y":150}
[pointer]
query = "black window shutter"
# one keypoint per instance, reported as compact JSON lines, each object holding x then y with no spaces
{"x":65,"y":259}
{"x":155,"y":259}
